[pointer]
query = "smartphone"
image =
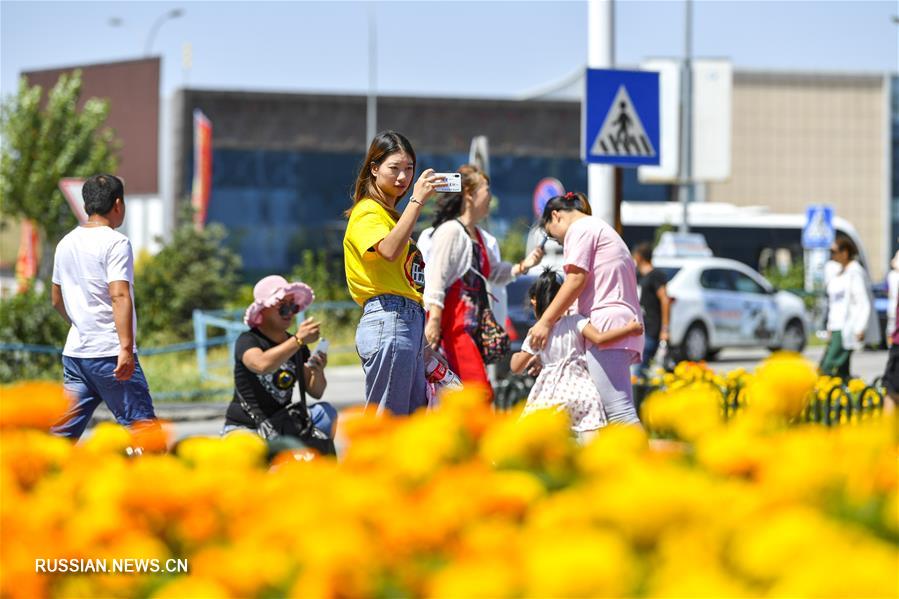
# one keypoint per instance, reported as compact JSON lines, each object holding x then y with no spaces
{"x":543,"y":243}
{"x":453,"y":183}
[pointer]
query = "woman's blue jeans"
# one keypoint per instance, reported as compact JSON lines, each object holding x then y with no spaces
{"x":390,"y":343}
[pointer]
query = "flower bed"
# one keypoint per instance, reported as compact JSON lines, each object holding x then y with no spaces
{"x":463,"y":502}
{"x":824,"y":400}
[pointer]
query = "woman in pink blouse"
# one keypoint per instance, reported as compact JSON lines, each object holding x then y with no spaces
{"x":600,"y":275}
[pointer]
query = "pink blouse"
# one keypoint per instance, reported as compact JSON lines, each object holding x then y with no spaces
{"x":609,"y":298}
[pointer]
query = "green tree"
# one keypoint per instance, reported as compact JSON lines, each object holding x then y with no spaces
{"x":45,"y":143}
{"x":323,"y":272}
{"x":513,"y":247}
{"x":195,"y":270}
{"x":29,"y":318}
{"x":661,"y":230}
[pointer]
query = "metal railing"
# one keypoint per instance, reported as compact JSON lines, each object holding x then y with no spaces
{"x":231,"y":322}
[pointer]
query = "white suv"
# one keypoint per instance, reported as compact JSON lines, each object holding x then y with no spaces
{"x":723,"y":303}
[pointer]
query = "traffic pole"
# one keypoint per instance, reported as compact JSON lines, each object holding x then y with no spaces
{"x":601,"y":55}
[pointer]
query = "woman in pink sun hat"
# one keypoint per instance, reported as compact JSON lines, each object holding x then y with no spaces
{"x":269,"y":360}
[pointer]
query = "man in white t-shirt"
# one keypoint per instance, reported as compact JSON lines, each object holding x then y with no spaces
{"x":93,"y":277}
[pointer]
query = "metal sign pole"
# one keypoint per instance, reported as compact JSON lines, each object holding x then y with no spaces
{"x":685,"y":190}
{"x":601,"y":55}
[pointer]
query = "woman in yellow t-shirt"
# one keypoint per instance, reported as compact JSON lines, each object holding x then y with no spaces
{"x":385,"y":274}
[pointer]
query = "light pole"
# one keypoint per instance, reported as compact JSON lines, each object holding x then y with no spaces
{"x":685,"y":191}
{"x":371,"y":102}
{"x":601,"y":55}
{"x":172,"y":14}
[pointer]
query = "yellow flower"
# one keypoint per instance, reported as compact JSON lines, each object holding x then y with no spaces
{"x":489,"y":577}
{"x":33,"y":404}
{"x":766,"y":549}
{"x":736,"y":450}
{"x":643,"y":499}
{"x":540,"y":441}
{"x":688,"y":412}
{"x":688,"y":563}
{"x":235,"y":450}
{"x":426,"y":442}
{"x":613,"y":444}
{"x":191,"y":587}
{"x":107,"y":437}
{"x":578,"y":563}
{"x":29,"y":455}
{"x":781,"y":386}
{"x":244,"y":569}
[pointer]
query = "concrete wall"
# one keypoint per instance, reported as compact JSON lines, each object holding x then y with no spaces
{"x":802,"y":139}
{"x":132,"y":89}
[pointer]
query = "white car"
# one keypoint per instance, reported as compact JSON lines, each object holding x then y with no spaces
{"x":720,"y":303}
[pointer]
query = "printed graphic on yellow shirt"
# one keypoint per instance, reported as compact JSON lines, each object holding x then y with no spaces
{"x":414,"y":268}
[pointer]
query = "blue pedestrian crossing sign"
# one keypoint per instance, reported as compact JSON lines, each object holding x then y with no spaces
{"x":621,"y":118}
{"x":818,"y":232}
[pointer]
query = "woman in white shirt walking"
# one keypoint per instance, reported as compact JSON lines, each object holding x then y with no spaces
{"x":850,"y":308}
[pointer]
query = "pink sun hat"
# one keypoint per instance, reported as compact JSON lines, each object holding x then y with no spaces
{"x":270,"y":291}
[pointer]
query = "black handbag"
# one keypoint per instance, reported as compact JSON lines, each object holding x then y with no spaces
{"x":293,"y":420}
{"x":493,"y":340}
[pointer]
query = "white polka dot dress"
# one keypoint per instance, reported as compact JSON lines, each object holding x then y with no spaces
{"x":565,"y":383}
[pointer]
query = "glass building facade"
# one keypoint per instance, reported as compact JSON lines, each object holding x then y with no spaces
{"x":894,"y":164}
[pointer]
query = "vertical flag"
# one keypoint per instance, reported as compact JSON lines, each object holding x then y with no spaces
{"x":202,"y":184}
{"x":26,"y":262}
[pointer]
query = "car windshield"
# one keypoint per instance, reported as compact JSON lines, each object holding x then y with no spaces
{"x":517,"y":293}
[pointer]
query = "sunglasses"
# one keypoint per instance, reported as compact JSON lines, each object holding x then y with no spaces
{"x":288,"y":309}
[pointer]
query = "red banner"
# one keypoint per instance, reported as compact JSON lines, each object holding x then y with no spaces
{"x":27,"y":260}
{"x":202,"y":183}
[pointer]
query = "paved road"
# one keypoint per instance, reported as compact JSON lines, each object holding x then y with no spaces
{"x":346,"y":385}
{"x":866,"y":364}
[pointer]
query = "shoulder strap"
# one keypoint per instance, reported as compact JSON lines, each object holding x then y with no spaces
{"x":474,"y":243}
{"x":301,"y":376}
{"x":246,"y":406}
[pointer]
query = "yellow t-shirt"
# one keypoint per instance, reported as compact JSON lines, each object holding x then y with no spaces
{"x":367,"y":272}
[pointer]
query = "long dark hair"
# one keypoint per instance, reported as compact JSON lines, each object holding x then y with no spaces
{"x":383,"y":145}
{"x":567,"y":203}
{"x":544,"y":290}
{"x":450,"y":206}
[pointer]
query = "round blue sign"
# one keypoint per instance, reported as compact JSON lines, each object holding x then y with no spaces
{"x":546,"y":190}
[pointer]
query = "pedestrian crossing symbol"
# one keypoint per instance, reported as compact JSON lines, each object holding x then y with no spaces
{"x":622,"y":133}
{"x":621,"y":118}
{"x":818,"y":232}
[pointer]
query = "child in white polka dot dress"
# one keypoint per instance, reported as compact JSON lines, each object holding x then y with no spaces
{"x":564,"y":383}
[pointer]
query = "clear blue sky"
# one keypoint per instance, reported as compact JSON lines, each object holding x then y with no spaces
{"x":483,"y":49}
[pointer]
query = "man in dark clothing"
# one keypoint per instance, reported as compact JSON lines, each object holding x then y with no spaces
{"x":654,"y":301}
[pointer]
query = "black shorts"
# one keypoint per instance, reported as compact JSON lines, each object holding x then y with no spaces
{"x":891,"y":374}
